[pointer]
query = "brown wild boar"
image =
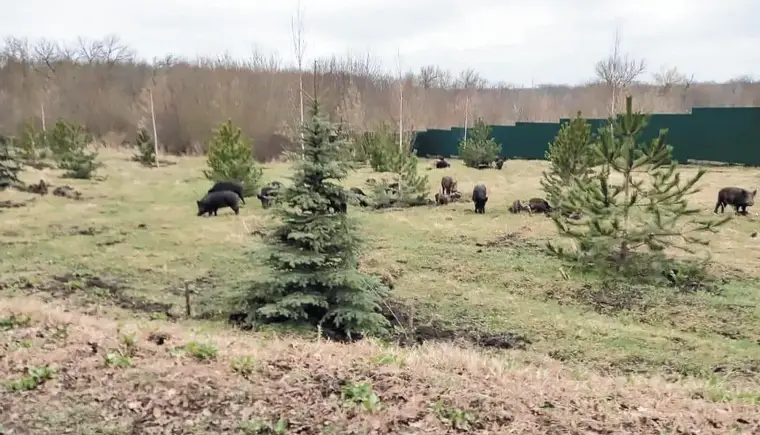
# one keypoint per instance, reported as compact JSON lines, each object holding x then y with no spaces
{"x":735,"y":196}
{"x":448,"y":185}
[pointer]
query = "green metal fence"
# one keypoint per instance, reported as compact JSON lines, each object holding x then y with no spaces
{"x":722,"y":134}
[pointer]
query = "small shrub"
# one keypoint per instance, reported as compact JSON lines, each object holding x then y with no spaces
{"x":230,"y":157}
{"x":457,"y":418}
{"x":479,"y":148}
{"x":360,"y":394}
{"x":146,"y":148}
{"x":201,"y":351}
{"x":261,"y":427}
{"x":117,"y":359}
{"x":36,"y":376}
{"x":14,"y":321}
{"x":244,"y":366}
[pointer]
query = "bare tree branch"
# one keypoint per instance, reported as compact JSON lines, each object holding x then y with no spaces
{"x":618,"y":71}
{"x":669,"y":78}
{"x":470,"y":79}
{"x":299,"y":47}
{"x":47,"y":53}
{"x":109,"y":50}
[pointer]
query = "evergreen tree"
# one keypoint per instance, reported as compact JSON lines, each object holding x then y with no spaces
{"x":313,"y":253}
{"x":9,"y":164}
{"x":621,"y":218}
{"x":380,"y":146}
{"x":32,"y":145}
{"x":146,"y":149}
{"x":230,"y":157}
{"x":479,"y":148}
{"x":69,"y":144}
{"x":571,"y":154}
{"x":413,"y":188}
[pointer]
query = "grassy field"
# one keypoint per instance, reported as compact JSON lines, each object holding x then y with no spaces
{"x":82,"y":279}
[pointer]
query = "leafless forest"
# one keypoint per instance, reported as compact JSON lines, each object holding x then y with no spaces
{"x":104,"y":85}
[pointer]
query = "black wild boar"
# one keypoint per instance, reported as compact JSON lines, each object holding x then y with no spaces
{"x":360,"y":196}
{"x":480,"y":197}
{"x":448,"y":185}
{"x":737,"y":197}
{"x":455,"y":195}
{"x":216,"y":200}
{"x":539,"y":205}
{"x":357,"y":191}
{"x":500,"y":163}
{"x":269,"y":193}
{"x":441,"y":163}
{"x":442,"y":198}
{"x":339,"y":204}
{"x":232,"y":186}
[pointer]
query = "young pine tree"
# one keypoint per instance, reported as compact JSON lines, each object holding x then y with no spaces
{"x":413,"y":188}
{"x":146,"y":149}
{"x":571,"y":155}
{"x":230,"y":157}
{"x":312,"y":255}
{"x":9,"y":163}
{"x":648,"y":211}
{"x":69,"y":144}
{"x":381,"y":147}
{"x":479,"y":148}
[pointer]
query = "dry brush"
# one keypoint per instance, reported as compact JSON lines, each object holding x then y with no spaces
{"x":102,"y":85}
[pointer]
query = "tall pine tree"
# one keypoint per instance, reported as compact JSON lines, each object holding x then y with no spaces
{"x":313,"y":254}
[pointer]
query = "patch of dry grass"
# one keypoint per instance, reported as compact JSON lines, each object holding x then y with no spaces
{"x":319,"y":387}
{"x":134,"y":241}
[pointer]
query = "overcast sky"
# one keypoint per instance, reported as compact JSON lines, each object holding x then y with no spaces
{"x":518,"y":42}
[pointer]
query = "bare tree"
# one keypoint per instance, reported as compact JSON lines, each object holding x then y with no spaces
{"x":299,"y":47}
{"x":432,"y":76}
{"x":427,"y":77}
{"x":400,"y":101}
{"x":47,"y":54}
{"x":109,"y":50}
{"x":670,"y":79}
{"x":618,"y":71}
{"x":17,"y":49}
{"x":470,"y":79}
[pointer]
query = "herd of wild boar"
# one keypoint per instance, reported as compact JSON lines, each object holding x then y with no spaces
{"x":229,"y":193}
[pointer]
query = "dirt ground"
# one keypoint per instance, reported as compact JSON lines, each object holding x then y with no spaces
{"x":222,"y":381}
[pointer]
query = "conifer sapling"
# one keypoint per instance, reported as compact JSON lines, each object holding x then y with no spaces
{"x":146,"y":149}
{"x":571,"y":154}
{"x":312,"y":255}
{"x":230,"y":158}
{"x":479,"y":148}
{"x":647,"y":209}
{"x":9,"y":164}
